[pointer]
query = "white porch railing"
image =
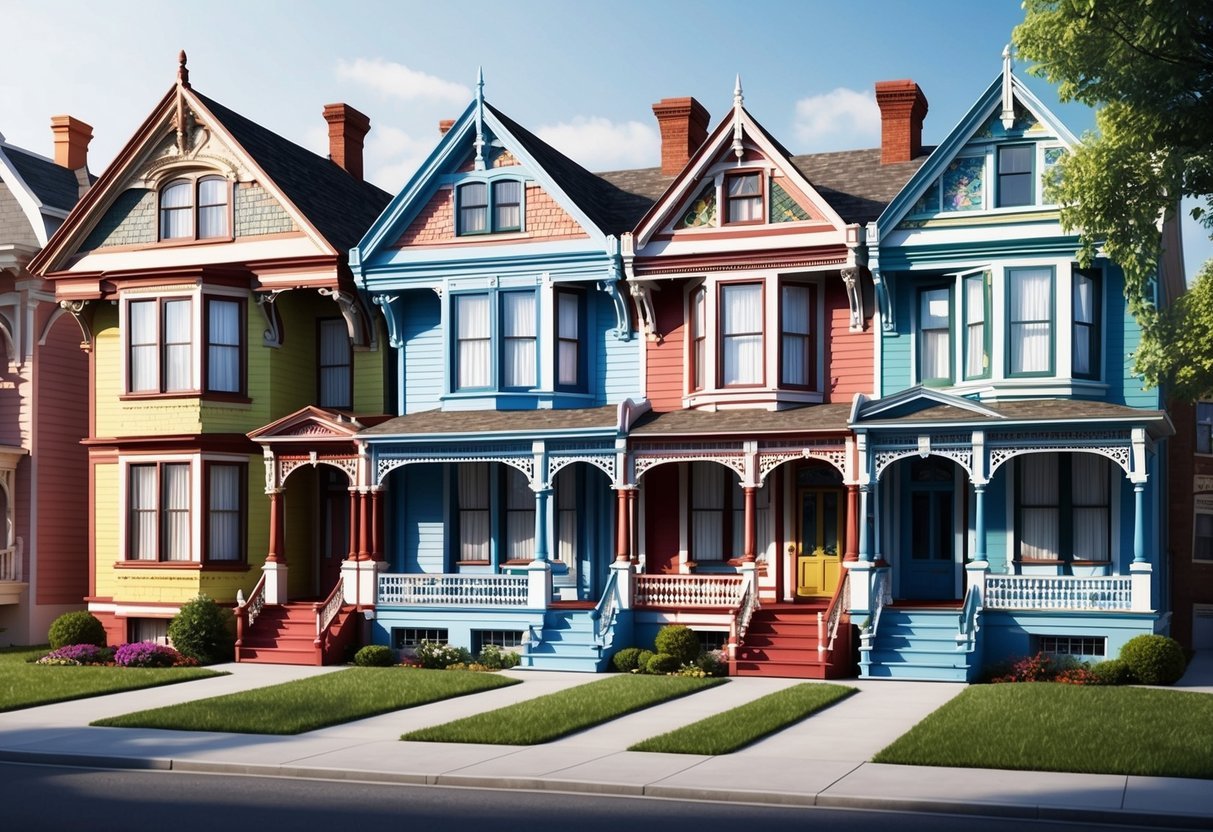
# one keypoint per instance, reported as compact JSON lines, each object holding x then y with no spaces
{"x":688,"y":590}
{"x":10,"y":563}
{"x":1062,"y":592}
{"x":453,"y":590}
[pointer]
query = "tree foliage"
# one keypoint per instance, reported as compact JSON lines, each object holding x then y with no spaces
{"x":1149,"y":65}
{"x":1181,"y":351}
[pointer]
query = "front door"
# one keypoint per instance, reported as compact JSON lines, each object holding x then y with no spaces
{"x":819,"y":554}
{"x":929,"y":566}
{"x":334,"y":536}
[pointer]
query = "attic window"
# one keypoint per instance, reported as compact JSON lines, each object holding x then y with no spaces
{"x":743,"y":198}
{"x":195,"y":209}
{"x":486,"y":208}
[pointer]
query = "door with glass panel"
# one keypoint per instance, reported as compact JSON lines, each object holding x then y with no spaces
{"x":929,"y":566}
{"x":821,"y":524}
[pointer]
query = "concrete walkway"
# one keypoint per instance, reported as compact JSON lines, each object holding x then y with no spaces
{"x":821,"y":761}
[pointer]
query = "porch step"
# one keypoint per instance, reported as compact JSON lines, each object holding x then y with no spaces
{"x":567,"y":641}
{"x":286,"y":633}
{"x":782,"y":641}
{"x":918,"y":644}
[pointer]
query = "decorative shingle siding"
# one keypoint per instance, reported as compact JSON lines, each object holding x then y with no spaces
{"x":544,"y":218}
{"x":435,"y":222}
{"x":14,"y":225}
{"x":131,"y":220}
{"x":258,"y":213}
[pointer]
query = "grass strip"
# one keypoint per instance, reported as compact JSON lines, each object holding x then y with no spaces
{"x":25,"y":685}
{"x":726,"y":732}
{"x":555,"y":715}
{"x":1054,"y":727}
{"x":315,"y":702}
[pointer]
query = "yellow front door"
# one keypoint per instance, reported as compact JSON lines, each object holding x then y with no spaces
{"x":822,"y":522}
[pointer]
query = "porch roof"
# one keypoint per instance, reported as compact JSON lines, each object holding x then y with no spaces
{"x":819,"y":418}
{"x":512,"y":423}
{"x":1059,"y":412}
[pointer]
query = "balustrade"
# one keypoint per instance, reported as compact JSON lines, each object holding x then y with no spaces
{"x":10,"y":564}
{"x":453,"y":590}
{"x":688,"y":590}
{"x":1062,"y":592}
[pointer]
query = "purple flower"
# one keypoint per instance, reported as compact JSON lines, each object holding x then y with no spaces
{"x":145,"y":654}
{"x":78,"y":654}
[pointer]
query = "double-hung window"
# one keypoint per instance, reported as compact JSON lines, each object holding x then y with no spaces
{"x":1015,"y":175}
{"x":1030,"y":312}
{"x":474,"y":525}
{"x":977,"y":325}
{"x":515,"y":510}
{"x":195,"y":209}
{"x":335,"y":364}
{"x":935,"y":336}
{"x":568,"y":340}
{"x":496,"y":343}
{"x":1204,"y":428}
{"x":699,"y":337}
{"x":518,"y":359}
{"x":1064,"y":507}
{"x":717,"y":521}
{"x":741,"y":344}
{"x":743,"y":198}
{"x":158,"y":512}
{"x":160,"y":338}
{"x":485,"y":208}
{"x":226,"y":499}
{"x":473,"y":342}
{"x":797,"y":363}
{"x":1085,"y":352}
{"x":224,"y":345}
{"x":519,"y":516}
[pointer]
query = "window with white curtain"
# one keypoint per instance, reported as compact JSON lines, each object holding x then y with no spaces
{"x":158,"y":512}
{"x":519,"y":516}
{"x":212,"y":207}
{"x":743,"y":198}
{"x":473,"y":484}
{"x":977,"y":325}
{"x":177,"y":210}
{"x":741,"y":333}
{"x":935,"y":336}
{"x":473,"y":208}
{"x":336,"y":365}
{"x":485,"y":207}
{"x":796,"y":361}
{"x":224,"y":346}
{"x":160,"y":345}
{"x":568,"y":340}
{"x":225,"y":507}
{"x":699,"y":337}
{"x":507,"y":205}
{"x":1030,"y":312}
{"x":518,"y":340}
{"x":143,"y":337}
{"x":1085,"y":341}
{"x":565,"y":486}
{"x":1039,"y":507}
{"x":195,"y":209}
{"x":473,"y":359}
{"x":708,"y":500}
{"x":1090,"y":492}
{"x":1064,"y":506}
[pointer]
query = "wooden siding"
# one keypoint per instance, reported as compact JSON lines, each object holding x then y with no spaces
{"x":665,"y":365}
{"x":370,"y":373}
{"x":895,"y":370}
{"x":422,"y":358}
{"x":62,"y":421}
{"x":106,"y":524}
{"x":849,"y":354}
{"x":617,"y":362}
{"x":417,"y":521}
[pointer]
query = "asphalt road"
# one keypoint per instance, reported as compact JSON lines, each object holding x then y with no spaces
{"x":51,"y":798}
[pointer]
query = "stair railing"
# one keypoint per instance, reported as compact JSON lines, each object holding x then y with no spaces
{"x":326,"y":611}
{"x":606,"y":610}
{"x":828,"y":621}
{"x":966,"y":632}
{"x":882,"y":594}
{"x":742,"y":613}
{"x":247,"y":611}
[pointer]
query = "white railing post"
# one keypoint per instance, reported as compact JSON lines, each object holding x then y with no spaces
{"x":975,"y":576}
{"x":624,"y":583}
{"x":1139,"y":578}
{"x":539,"y":584}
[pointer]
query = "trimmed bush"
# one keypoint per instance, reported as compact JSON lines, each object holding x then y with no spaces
{"x":434,"y":656}
{"x":145,"y":654}
{"x":493,"y":657}
{"x":713,"y":663}
{"x":78,"y":627}
{"x":375,"y":655}
{"x":678,"y":641}
{"x":1112,"y":672}
{"x":662,"y":664}
{"x":1154,"y":659}
{"x":204,"y":631}
{"x":642,"y":660}
{"x":625,"y":661}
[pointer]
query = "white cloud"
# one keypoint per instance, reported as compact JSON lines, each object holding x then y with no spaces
{"x":393,"y":155}
{"x":838,"y":119}
{"x":600,"y":144}
{"x":398,"y":81}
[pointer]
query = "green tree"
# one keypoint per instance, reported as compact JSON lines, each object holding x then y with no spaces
{"x":1148,"y":66}
{"x":1181,"y":349}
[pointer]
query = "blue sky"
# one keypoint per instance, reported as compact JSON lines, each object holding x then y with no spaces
{"x":583,"y":76}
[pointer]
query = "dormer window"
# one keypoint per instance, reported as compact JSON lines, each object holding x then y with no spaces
{"x":195,"y":209}
{"x":743,"y":198}
{"x":1015,"y":175}
{"x":478,"y":214}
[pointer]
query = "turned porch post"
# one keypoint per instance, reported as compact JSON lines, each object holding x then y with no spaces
{"x":376,"y":524}
{"x":852,"y":550}
{"x":751,"y":523}
{"x":353,"y":531}
{"x":623,"y":534}
{"x":276,"y":554}
{"x":364,"y":524}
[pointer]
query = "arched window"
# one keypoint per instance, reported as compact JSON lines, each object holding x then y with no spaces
{"x":212,"y":207}
{"x":195,"y":209}
{"x":176,"y":210}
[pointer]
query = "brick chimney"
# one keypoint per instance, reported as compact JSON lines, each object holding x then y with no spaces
{"x":71,"y":142}
{"x":347,"y":129}
{"x":444,"y":125}
{"x":684,"y":127}
{"x":902,"y":110}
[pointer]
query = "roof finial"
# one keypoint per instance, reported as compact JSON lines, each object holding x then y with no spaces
{"x":183,"y":73}
{"x":1008,"y":98}
{"x":738,"y":145}
{"x":480,"y":118}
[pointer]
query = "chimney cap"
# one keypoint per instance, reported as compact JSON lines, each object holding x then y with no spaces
{"x":71,"y":141}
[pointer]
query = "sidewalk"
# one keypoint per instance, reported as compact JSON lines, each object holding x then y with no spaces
{"x":821,"y":761}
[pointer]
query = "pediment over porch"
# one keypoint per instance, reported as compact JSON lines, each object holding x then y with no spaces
{"x":309,"y":424}
{"x":921,"y":402}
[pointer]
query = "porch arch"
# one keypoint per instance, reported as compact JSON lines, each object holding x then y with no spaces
{"x":1122,"y":456}
{"x":383,"y":467}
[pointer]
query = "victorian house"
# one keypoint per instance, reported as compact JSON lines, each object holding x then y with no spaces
{"x":206,"y":269}
{"x":43,"y":376}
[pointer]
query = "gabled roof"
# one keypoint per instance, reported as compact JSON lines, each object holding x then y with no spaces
{"x":915,"y":399}
{"x":307,"y":425}
{"x":990,"y":103}
{"x":53,"y":185}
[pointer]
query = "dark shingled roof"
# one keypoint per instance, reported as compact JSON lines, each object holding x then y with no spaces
{"x":54,"y":186}
{"x":338,"y":205}
{"x":432,"y":422}
{"x":1033,"y":410}
{"x":818,"y":417}
{"x":612,"y":209}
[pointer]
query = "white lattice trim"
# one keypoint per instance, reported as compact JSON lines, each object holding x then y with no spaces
{"x":768,"y":461}
{"x":736,"y":462}
{"x":1122,"y":456}
{"x":383,"y":467}
{"x":603,"y":462}
{"x":286,"y":467}
{"x":961,"y":456}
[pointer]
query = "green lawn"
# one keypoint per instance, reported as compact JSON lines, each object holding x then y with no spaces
{"x":1055,"y":727}
{"x":726,"y":732}
{"x":25,"y":685}
{"x":316,"y":702}
{"x":553,"y":716}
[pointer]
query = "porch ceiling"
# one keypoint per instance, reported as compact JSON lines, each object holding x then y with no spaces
{"x":821,"y":418}
{"x":514,"y":423}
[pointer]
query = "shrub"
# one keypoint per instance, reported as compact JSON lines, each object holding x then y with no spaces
{"x":1081,"y":675}
{"x":78,"y":654}
{"x":435,"y":656}
{"x":78,"y":627}
{"x":662,"y":664}
{"x":375,"y":655}
{"x":1112,"y":672}
{"x":713,"y":663}
{"x":145,"y":654}
{"x":625,"y":660}
{"x":204,"y":631}
{"x":1154,"y":659}
{"x":642,"y":661}
{"x":678,"y":641}
{"x":494,"y":658}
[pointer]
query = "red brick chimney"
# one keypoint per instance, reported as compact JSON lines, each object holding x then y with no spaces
{"x":347,"y":129}
{"x":902,"y":110}
{"x":684,"y":126}
{"x":71,"y":142}
{"x":444,"y":125}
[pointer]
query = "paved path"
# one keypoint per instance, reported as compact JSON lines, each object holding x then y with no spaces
{"x":820,"y":761}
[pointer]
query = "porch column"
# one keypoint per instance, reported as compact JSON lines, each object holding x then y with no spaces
{"x":376,"y":524}
{"x":353,"y":554}
{"x":865,"y":543}
{"x":542,"y":498}
{"x":275,"y":570}
{"x":979,"y":512}
{"x":275,"y":553}
{"x":751,"y":524}
{"x":623,"y":534}
{"x":633,"y":548}
{"x":364,"y":525}
{"x":852,"y":552}
{"x":1139,"y":522}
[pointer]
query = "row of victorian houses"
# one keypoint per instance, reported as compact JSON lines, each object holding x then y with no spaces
{"x":841,"y":413}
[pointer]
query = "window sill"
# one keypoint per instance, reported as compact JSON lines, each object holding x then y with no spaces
{"x":189,"y":565}
{"x":472,"y":562}
{"x":772,"y":398}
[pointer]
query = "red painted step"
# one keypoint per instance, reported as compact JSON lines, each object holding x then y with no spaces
{"x":782,"y":641}
{"x":286,"y":634}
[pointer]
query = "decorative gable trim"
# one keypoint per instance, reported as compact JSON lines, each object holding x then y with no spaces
{"x":307,"y":425}
{"x":914,"y":399}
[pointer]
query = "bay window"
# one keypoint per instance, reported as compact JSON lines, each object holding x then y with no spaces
{"x":935,"y":336}
{"x":160,"y":343}
{"x":797,"y":363}
{"x":1030,"y":331}
{"x":741,"y":344}
{"x":977,"y":326}
{"x":225,"y":488}
{"x":699,"y":337}
{"x":224,"y":345}
{"x":158,"y":512}
{"x":1085,"y":339}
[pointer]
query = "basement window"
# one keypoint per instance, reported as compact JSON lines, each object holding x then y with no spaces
{"x":410,"y":638}
{"x":1072,"y":645}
